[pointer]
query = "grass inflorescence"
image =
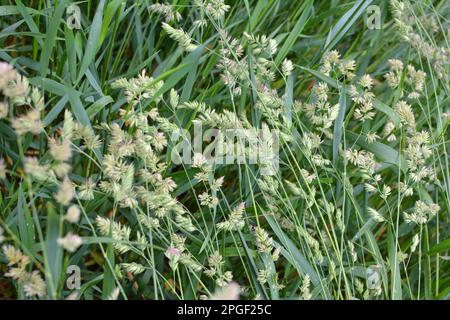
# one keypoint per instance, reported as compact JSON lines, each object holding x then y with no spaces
{"x":113,"y":115}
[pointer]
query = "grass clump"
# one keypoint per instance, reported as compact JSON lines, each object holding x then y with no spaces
{"x":350,"y":198}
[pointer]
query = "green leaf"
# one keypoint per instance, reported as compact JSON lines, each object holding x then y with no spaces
{"x":192,"y":76}
{"x":395,"y":266}
{"x":12,"y":10}
{"x":50,"y":37}
{"x":71,"y":54}
{"x":77,"y":107}
{"x":29,"y":20}
{"x":344,"y":24}
{"x":98,"y":105}
{"x":256,"y":12}
{"x":177,"y":74}
{"x":108,"y":278}
{"x":49,"y":85}
{"x":110,"y":11}
{"x":93,"y":42}
{"x":442,"y":246}
{"x":25,"y":222}
{"x":295,"y":33}
{"x":54,"y":251}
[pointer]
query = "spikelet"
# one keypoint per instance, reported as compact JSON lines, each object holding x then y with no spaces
{"x":183,"y":39}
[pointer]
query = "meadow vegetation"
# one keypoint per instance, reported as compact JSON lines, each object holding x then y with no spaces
{"x":96,"y":96}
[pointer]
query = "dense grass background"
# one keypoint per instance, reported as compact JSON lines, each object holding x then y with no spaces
{"x":75,"y":69}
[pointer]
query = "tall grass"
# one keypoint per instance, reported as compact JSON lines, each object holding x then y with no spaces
{"x":359,"y":206}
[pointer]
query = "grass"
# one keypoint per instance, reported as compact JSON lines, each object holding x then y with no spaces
{"x":319,"y":221}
